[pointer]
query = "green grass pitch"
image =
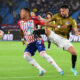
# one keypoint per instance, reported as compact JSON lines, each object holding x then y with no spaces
{"x":13,"y":66}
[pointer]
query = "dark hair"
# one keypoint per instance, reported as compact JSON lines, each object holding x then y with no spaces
{"x":26,"y":9}
{"x":65,"y":6}
{"x":49,"y":13}
{"x":32,"y":11}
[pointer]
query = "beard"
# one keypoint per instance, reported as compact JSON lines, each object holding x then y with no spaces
{"x":64,"y":16}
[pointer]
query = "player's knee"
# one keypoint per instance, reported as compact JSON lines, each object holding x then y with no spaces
{"x":27,"y":56}
{"x":47,"y":57}
{"x":72,"y":50}
{"x":43,"y":53}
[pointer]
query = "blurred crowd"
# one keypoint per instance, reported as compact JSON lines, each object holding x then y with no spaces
{"x":9,"y":9}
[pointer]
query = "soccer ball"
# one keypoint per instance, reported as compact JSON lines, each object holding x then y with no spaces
{"x":1,"y":34}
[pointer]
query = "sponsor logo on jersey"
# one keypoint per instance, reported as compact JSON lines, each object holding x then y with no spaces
{"x":67,"y":23}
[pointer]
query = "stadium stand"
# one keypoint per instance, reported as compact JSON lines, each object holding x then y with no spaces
{"x":8,"y":7}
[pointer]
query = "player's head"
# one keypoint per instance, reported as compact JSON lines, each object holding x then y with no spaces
{"x":24,"y":12}
{"x":64,"y":10}
{"x":32,"y":14}
{"x":48,"y":15}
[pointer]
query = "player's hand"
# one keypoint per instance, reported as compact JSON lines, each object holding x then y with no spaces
{"x":24,"y":43}
{"x":39,"y":17}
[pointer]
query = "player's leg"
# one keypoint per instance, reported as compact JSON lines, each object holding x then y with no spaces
{"x":72,"y":51}
{"x":29,"y":52}
{"x":64,"y":43}
{"x":32,"y":61}
{"x":51,"y":61}
{"x":41,"y":49}
{"x":49,"y":44}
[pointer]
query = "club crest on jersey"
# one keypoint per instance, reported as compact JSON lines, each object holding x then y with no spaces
{"x":67,"y":23}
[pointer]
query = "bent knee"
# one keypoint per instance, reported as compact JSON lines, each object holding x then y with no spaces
{"x":72,"y":50}
{"x":26,"y":54}
{"x":42,"y":53}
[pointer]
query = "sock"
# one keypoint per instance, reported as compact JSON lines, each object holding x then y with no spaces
{"x":33,"y":62}
{"x":49,"y":43}
{"x":74,"y":58}
{"x":50,"y":60}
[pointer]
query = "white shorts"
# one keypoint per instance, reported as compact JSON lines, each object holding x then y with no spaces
{"x":60,"y":41}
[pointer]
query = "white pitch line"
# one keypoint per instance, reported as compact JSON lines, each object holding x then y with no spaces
{"x":37,"y":76}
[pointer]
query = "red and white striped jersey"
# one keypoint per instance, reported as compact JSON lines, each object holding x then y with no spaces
{"x":28,"y":26}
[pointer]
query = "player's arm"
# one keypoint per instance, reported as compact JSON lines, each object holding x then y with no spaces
{"x":50,"y":20}
{"x":74,"y":27}
{"x":22,"y":37}
{"x":40,"y":18}
{"x":76,"y":31}
{"x":42,"y":31}
{"x":49,"y":23}
{"x":21,"y":33}
{"x":54,"y":25}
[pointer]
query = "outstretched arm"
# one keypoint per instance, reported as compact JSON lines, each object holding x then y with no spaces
{"x":50,"y":23}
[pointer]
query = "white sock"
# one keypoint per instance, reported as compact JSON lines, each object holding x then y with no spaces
{"x":33,"y":62}
{"x":50,"y":60}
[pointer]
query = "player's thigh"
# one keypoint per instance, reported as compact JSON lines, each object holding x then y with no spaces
{"x":40,"y":45}
{"x":31,"y":48}
{"x":67,"y":45}
{"x":64,"y":43}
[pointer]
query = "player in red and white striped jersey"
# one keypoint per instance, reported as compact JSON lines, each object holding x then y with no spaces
{"x":28,"y":26}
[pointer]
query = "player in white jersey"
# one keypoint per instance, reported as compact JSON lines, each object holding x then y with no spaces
{"x":27,"y":26}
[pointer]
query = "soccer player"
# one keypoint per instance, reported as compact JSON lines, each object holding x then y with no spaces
{"x":60,"y":35}
{"x":27,"y":25}
{"x":33,"y":15}
{"x":48,"y":17}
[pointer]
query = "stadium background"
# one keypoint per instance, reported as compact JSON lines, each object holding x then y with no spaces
{"x":12,"y":64}
{"x":9,"y":13}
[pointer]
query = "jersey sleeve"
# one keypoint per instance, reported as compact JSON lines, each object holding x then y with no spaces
{"x":38,"y":22}
{"x":74,"y":24}
{"x":19,"y":24}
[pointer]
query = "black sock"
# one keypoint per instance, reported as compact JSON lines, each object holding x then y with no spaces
{"x":49,"y":43}
{"x":74,"y":59}
{"x":39,"y":31}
